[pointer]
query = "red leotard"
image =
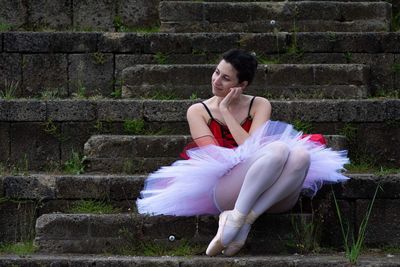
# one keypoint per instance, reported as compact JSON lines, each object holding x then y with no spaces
{"x":221,"y":133}
{"x":224,"y":138}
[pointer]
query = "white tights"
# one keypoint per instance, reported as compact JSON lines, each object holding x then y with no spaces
{"x":268,"y":183}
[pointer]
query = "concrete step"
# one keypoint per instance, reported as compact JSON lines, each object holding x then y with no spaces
{"x":63,"y":57}
{"x":332,"y":260}
{"x":88,"y":233}
{"x":275,"y":80}
{"x":142,"y":154}
{"x":24,"y":198}
{"x":36,"y":134}
{"x":307,"y":16}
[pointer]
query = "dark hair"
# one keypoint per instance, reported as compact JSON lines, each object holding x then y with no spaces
{"x":244,"y":62}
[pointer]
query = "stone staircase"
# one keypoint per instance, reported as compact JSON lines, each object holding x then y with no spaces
{"x":329,"y":67}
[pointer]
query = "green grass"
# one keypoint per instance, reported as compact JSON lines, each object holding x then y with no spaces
{"x":10,"y":90}
{"x":4,"y":27}
{"x":305,"y":235}
{"x":93,"y":207}
{"x":20,"y":248}
{"x":396,"y":22}
{"x":354,"y":246}
{"x":265,"y":60}
{"x":160,"y":95}
{"x":304,"y":126}
{"x":134,"y":126}
{"x":138,"y":247}
{"x":348,"y":56}
{"x":120,"y":26}
{"x":161,"y":58}
{"x":80,"y":91}
{"x":194,"y":96}
{"x":75,"y":164}
{"x":49,"y":94}
{"x":117,"y":93}
{"x":387,"y":94}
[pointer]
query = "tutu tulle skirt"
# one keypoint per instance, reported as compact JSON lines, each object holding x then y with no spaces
{"x":186,"y":187}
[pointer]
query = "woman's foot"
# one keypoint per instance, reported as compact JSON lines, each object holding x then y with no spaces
{"x":229,"y":225}
{"x":236,"y":245}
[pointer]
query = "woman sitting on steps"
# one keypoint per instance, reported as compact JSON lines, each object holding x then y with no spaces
{"x":241,"y":164}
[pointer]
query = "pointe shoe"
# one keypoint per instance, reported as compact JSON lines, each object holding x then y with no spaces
{"x":236,"y":220}
{"x":236,"y":245}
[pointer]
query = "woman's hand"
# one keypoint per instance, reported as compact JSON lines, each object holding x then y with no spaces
{"x":232,"y":96}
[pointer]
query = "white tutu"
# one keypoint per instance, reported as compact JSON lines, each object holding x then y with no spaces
{"x":186,"y":187}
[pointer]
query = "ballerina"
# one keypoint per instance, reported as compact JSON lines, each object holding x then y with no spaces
{"x":240,"y":164}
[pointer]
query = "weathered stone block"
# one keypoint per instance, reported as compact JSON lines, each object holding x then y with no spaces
{"x":122,"y":42}
{"x":381,"y":149}
{"x":74,"y":227}
{"x":139,"y":14}
{"x":160,"y":146}
{"x":10,"y":72}
{"x":239,"y":12}
{"x":278,"y":75}
{"x":94,"y":15}
{"x":32,"y":147}
{"x":391,"y":42}
{"x":3,"y":110}
{"x":74,"y":42}
{"x":212,"y":43}
{"x":338,"y":42}
{"x":25,"y":110}
{"x":13,"y":13}
{"x":190,"y":11}
{"x":29,"y":187}
{"x":263,"y":44}
{"x":17,"y":220}
{"x":73,"y":137}
{"x":161,"y":227}
{"x":383,"y":225}
{"x":361,"y":111}
{"x":30,"y":42}
{"x":4,"y":143}
{"x":166,"y":111}
{"x":396,"y":69}
{"x":44,"y":42}
{"x":341,"y":74}
{"x":51,"y":75}
{"x":306,"y":110}
{"x":126,"y":187}
{"x":165,"y":43}
{"x":82,"y":187}
{"x":381,"y":74}
{"x":109,"y":146}
{"x":50,"y":14}
{"x":119,"y":110}
{"x":282,"y":110}
{"x":94,"y":72}
{"x":392,"y":110}
{"x":71,"y":110}
{"x":124,"y":61}
{"x":363,"y":186}
{"x":109,"y":226}
{"x":331,"y":234}
{"x":365,"y":11}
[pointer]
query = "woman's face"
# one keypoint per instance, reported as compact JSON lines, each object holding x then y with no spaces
{"x":224,"y":78}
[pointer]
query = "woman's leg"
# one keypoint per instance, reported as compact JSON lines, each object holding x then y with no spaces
{"x":246,"y":183}
{"x":280,"y":197}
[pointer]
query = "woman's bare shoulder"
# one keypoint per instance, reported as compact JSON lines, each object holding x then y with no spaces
{"x":261,"y":104}
{"x":195,"y":108}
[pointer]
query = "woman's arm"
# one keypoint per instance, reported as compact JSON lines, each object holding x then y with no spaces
{"x":261,"y":113}
{"x":199,"y":129}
